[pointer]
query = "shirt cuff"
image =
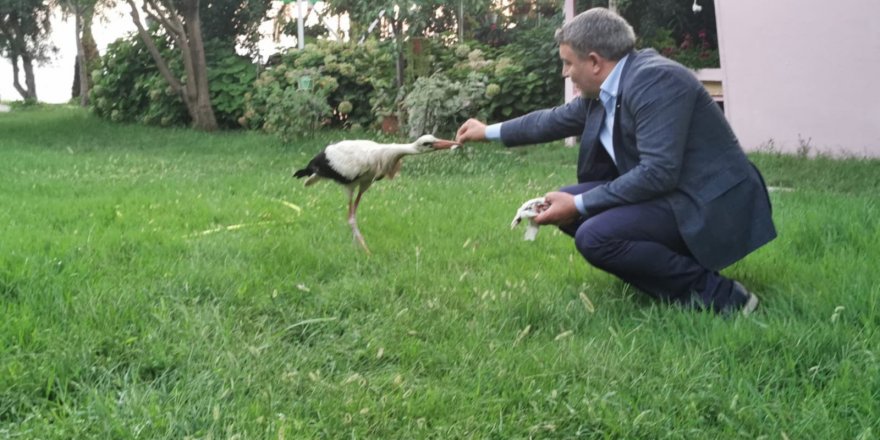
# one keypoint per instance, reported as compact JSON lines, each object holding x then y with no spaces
{"x":579,"y":204}
{"x":493,"y":132}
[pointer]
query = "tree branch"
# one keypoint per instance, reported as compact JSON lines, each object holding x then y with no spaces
{"x":160,"y":14}
{"x":154,"y":51}
{"x":170,"y":21}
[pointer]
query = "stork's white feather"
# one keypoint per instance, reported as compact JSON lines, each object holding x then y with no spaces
{"x":528,"y":211}
{"x":367,"y":160}
{"x":352,"y":158}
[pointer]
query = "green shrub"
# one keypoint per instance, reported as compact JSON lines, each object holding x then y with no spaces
{"x":289,"y":102}
{"x":528,"y":72}
{"x":359,"y":70}
{"x":439,"y":104}
{"x":231,"y":77}
{"x":129,"y":88}
{"x":520,"y":77}
{"x":126,"y":82}
{"x":694,"y":54}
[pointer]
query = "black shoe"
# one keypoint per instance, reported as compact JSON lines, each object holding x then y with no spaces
{"x":749,"y":300}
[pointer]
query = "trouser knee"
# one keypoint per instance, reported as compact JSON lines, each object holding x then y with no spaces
{"x":595,"y":250}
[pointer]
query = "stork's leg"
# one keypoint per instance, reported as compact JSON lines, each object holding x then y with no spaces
{"x":352,"y":216}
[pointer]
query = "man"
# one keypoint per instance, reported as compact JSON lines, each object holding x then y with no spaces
{"x":666,"y":196}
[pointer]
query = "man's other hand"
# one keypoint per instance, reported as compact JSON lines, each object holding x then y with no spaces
{"x":561,"y":210}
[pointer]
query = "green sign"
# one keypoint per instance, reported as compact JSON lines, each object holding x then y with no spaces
{"x":305,"y":83}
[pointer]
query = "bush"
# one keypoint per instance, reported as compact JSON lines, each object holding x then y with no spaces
{"x":129,"y":88}
{"x":361,"y":71}
{"x":125,"y":82}
{"x":439,"y":104}
{"x":693,"y":54}
{"x":289,"y":102}
{"x":529,"y":73}
{"x":477,"y":80}
{"x":231,"y":77}
{"x":521,"y":76}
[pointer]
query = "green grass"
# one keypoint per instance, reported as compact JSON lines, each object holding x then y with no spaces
{"x":122,"y":318}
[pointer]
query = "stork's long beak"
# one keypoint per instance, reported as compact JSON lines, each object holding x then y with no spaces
{"x":442,"y":144}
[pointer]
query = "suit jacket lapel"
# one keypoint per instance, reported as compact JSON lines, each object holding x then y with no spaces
{"x":592,"y":163}
{"x":620,"y":156}
{"x":595,"y":117}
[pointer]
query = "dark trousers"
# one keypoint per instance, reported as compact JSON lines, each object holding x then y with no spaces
{"x":641,"y":245}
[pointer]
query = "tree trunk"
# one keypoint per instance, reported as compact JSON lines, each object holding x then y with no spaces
{"x":194,"y":92}
{"x":400,"y":66}
{"x":29,"y":92}
{"x":82,"y":62}
{"x":29,"y":77}
{"x":74,"y":89}
{"x":203,"y":112}
{"x":91,"y":55}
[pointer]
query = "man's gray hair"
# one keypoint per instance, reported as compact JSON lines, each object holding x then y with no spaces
{"x":598,"y":30}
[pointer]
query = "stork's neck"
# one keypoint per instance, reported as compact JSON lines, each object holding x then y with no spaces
{"x":387,"y":161}
{"x":393,"y":152}
{"x":401,"y":149}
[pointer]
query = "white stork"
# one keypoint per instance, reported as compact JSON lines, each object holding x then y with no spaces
{"x":528,"y":211}
{"x":359,"y":163}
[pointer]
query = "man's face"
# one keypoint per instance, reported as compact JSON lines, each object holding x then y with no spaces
{"x":582,"y":71}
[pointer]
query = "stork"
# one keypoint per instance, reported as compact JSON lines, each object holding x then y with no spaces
{"x":359,"y":163}
{"x":528,"y":211}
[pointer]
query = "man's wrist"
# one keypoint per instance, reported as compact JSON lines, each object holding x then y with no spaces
{"x":579,"y":204}
{"x":493,"y":132}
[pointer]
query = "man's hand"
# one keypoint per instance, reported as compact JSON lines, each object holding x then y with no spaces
{"x":471,"y":130}
{"x":561,"y":211}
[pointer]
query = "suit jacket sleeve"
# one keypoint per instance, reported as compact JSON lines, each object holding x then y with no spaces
{"x":661,"y":103}
{"x":545,"y":125}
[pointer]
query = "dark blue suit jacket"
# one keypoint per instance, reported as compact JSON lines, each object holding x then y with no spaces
{"x":671,"y":141}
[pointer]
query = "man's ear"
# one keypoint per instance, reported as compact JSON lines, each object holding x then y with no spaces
{"x":597,"y":61}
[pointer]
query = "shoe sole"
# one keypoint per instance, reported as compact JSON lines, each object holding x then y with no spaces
{"x":751,"y":305}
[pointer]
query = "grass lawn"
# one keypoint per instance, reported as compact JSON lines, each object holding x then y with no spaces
{"x":159,"y":283}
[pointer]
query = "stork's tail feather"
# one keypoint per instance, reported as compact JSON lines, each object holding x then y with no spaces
{"x":305,"y":172}
{"x":531,"y":231}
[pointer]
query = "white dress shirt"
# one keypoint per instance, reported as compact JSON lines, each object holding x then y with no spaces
{"x":608,"y":96}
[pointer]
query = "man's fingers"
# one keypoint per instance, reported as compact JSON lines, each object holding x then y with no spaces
{"x":546,"y":216}
{"x":459,"y":137}
{"x":471,"y":130}
{"x":560,"y":209}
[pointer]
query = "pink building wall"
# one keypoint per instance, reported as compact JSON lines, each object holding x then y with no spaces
{"x":802,"y":70}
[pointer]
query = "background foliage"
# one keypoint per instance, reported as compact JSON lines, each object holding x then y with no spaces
{"x":290,"y":101}
{"x":360,"y":70}
{"x":438,"y":104}
{"x":507,"y":66}
{"x":232,"y":22}
{"x":129,"y":88}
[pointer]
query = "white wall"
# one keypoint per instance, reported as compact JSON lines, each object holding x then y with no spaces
{"x":802,"y":70}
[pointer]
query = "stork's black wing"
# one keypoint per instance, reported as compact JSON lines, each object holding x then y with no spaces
{"x":320,"y":165}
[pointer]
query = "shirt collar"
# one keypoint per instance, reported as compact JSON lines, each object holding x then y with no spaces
{"x":608,"y":89}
